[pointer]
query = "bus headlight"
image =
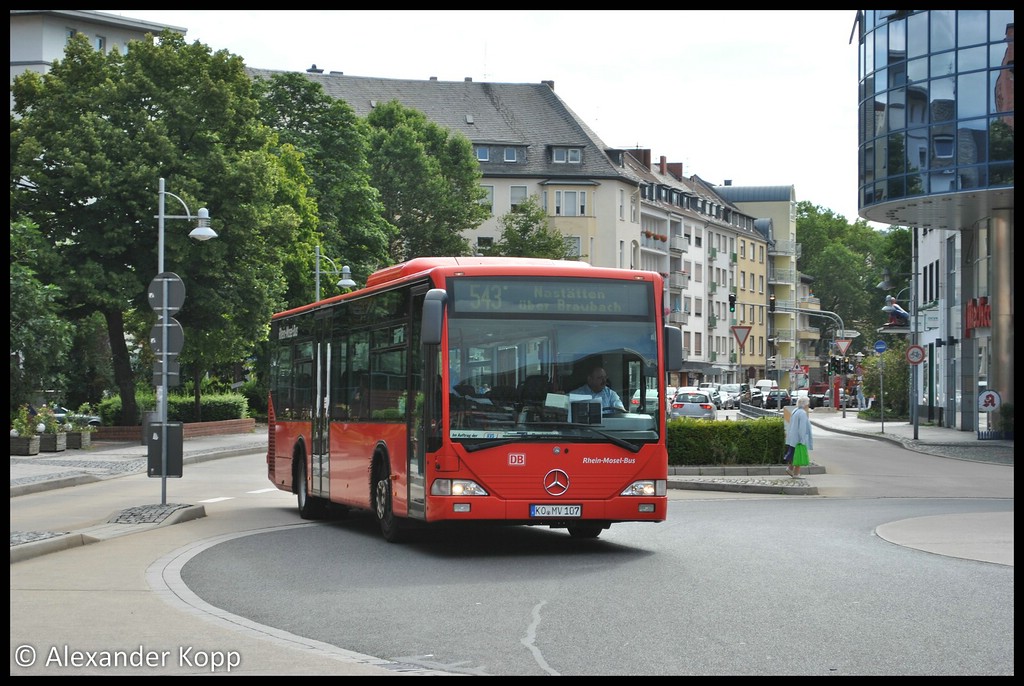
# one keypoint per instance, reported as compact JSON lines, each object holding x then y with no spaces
{"x":647,"y":488}
{"x":458,"y":487}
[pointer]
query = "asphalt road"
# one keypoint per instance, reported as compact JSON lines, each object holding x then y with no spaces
{"x":731,"y":584}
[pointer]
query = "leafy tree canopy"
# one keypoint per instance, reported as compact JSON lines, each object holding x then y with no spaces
{"x":429,"y":181}
{"x":89,"y":141}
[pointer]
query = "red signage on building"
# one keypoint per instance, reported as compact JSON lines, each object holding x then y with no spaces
{"x":979,"y":315}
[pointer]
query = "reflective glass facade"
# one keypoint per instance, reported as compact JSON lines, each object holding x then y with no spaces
{"x":936,"y":102}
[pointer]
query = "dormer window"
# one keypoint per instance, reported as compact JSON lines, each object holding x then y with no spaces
{"x":483,"y":153}
{"x":566,"y":155}
{"x":510,"y":155}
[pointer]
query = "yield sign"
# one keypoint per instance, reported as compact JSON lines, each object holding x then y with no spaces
{"x":741,"y":333}
{"x":843,"y":344}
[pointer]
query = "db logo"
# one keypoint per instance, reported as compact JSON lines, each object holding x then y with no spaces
{"x":517,"y":459}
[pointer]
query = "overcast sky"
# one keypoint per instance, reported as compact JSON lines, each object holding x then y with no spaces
{"x":763,"y":98}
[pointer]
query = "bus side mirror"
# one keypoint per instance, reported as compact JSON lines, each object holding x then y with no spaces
{"x":433,"y":316}
{"x":673,"y":349}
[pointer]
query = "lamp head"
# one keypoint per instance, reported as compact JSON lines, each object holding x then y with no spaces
{"x":346,"y":278}
{"x":202,"y":232}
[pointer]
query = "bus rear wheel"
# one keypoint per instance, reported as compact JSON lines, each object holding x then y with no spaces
{"x":390,"y":525}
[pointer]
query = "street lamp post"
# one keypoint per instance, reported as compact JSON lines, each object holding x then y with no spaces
{"x":346,"y":274}
{"x":167,"y":282}
{"x":884,"y":285}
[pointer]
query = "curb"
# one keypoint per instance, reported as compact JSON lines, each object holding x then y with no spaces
{"x":102,"y":532}
{"x":769,"y":486}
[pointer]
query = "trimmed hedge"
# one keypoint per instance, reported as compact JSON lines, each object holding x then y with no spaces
{"x":694,"y":442}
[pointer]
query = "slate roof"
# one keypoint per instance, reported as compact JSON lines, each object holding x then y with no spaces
{"x":527,"y":115}
{"x":736,"y":194}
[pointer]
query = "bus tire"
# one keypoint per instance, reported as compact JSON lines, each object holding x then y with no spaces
{"x":586,"y":530}
{"x":310,"y":507}
{"x":390,"y":525}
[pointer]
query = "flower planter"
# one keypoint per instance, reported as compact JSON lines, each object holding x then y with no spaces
{"x":79,"y":439}
{"x":53,"y":443}
{"x":25,"y":445}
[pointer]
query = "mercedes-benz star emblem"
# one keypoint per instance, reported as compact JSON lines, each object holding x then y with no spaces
{"x":556,"y":482}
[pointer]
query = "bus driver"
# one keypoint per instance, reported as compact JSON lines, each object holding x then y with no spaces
{"x":597,"y":388}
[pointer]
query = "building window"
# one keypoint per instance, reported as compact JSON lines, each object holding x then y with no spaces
{"x":622,"y":204}
{"x":484,"y":243}
{"x":510,"y":154}
{"x":483,"y":153}
{"x":517,"y":196}
{"x":100,"y":43}
{"x":488,"y":199}
{"x":570,"y":203}
{"x":566,"y":155}
{"x":69,"y":34}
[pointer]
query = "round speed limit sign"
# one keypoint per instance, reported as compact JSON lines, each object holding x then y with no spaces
{"x":915,"y":354}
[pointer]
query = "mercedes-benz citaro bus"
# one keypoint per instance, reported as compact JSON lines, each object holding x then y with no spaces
{"x":453,"y":389}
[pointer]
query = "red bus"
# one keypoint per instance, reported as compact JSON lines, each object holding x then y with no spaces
{"x":442,"y":391}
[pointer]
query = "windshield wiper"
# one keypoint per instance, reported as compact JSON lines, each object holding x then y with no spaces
{"x":622,"y":443}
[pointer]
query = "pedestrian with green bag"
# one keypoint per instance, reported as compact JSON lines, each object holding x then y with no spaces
{"x":798,"y":436}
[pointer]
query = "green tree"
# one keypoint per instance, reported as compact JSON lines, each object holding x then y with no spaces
{"x":890,"y":372}
{"x":846,"y":262}
{"x":526,"y":232}
{"x":40,"y":338}
{"x":334,"y":146}
{"x":90,"y":140}
{"x":429,"y":182}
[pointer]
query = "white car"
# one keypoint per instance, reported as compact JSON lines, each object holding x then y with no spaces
{"x":715,"y":391}
{"x":693,"y":402}
{"x":731,"y":395}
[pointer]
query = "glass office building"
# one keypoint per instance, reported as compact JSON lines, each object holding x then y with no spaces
{"x":936,"y":154}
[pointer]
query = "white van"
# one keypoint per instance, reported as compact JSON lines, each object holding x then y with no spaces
{"x":765,"y":385}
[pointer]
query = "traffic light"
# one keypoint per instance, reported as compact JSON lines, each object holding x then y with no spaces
{"x":771,"y":302}
{"x":732,"y":302}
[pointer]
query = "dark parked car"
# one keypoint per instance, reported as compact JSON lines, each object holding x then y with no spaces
{"x":777,"y":399}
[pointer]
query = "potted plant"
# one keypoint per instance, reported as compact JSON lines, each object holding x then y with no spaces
{"x":52,"y":436}
{"x":78,"y":428}
{"x":24,"y":439}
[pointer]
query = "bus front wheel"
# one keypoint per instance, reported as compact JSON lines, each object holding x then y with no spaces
{"x":390,"y":525}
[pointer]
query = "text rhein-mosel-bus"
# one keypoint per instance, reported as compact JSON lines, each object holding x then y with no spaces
{"x":449,"y":390}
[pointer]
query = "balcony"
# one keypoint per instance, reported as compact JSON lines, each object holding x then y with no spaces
{"x":712,"y":254}
{"x":679,"y":318}
{"x":732,"y":257}
{"x":679,"y":280}
{"x":712,"y":288}
{"x":679,"y":244}
{"x":712,"y":321}
{"x":712,"y":356}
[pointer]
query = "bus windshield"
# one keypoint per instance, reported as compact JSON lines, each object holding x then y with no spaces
{"x":525,"y":376}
